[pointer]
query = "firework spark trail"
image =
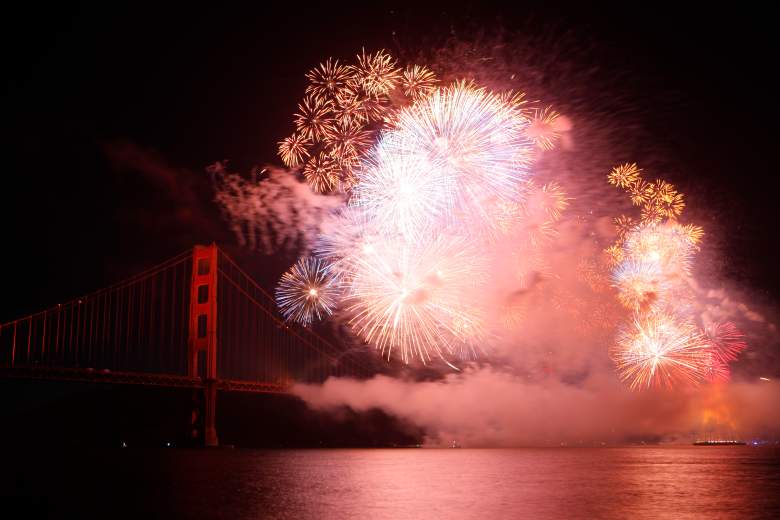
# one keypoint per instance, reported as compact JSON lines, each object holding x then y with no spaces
{"x":307,"y":291}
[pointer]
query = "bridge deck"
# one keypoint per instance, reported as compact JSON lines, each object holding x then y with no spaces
{"x":91,"y":375}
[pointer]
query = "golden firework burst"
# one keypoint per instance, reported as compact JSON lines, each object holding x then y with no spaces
{"x":418,"y":81}
{"x":624,"y":176}
{"x":293,"y":150}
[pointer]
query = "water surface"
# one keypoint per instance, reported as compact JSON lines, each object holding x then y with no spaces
{"x":640,"y":483}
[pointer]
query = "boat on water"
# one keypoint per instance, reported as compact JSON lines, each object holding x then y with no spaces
{"x":719,"y":443}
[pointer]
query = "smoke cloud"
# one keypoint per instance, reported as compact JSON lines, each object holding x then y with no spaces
{"x":489,"y":407}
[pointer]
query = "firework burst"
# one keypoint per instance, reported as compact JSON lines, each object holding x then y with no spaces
{"x":413,"y":298}
{"x":418,"y":82}
{"x":293,"y":150}
{"x":468,"y":135}
{"x":321,"y":172}
{"x":547,"y":202}
{"x":658,"y":350}
{"x":307,"y":291}
{"x":667,"y":244}
{"x":347,"y":141}
{"x":377,"y":73}
{"x":624,"y":176}
{"x":402,"y":192}
{"x":542,"y":129}
{"x":640,"y":284}
{"x":313,"y":119}
{"x":327,"y":80}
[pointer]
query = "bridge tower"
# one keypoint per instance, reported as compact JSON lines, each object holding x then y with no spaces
{"x":202,"y":346}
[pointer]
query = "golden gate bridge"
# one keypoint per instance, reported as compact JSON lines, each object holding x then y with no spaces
{"x":196,"y":320}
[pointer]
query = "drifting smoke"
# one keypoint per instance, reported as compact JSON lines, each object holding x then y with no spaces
{"x":273,"y":210}
{"x":538,"y":370}
{"x":489,"y":407}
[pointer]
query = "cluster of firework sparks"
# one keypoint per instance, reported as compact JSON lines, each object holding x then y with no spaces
{"x":662,"y":344}
{"x":434,"y":175}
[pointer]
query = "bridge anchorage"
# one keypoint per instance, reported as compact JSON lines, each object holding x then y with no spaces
{"x":194,"y":321}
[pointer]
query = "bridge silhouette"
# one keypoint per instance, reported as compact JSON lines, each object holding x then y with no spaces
{"x":196,"y":321}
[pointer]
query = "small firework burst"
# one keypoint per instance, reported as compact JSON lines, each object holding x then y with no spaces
{"x":623,"y":225}
{"x":651,"y":214}
{"x":547,"y":202}
{"x":293,"y":150}
{"x":665,"y":244}
{"x":349,"y":107}
{"x":313,"y":119}
{"x":307,"y":291}
{"x":321,"y":172}
{"x":377,"y":73}
{"x":665,"y":200}
{"x":418,"y":81}
{"x":347,"y":140}
{"x":326,"y":80}
{"x":640,"y":192}
{"x":614,"y":254}
{"x":624,"y":176}
{"x":693,"y":233}
{"x":542,"y":130}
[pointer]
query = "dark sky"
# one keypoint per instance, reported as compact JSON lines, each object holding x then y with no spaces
{"x":111,"y":113}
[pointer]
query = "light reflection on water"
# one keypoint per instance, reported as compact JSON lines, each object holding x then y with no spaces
{"x":637,"y":483}
{"x":680,"y":482}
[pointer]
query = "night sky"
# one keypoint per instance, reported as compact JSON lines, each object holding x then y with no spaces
{"x":112,"y":113}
